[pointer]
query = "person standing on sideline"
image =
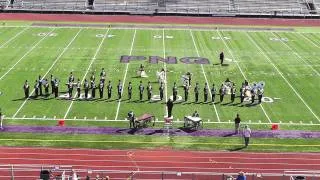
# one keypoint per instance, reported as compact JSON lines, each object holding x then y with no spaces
{"x":221,"y":58}
{"x":170,"y":106}
{"x":246,"y":135}
{"x":237,"y":121}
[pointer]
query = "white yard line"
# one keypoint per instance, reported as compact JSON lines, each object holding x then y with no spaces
{"x":56,"y":60}
{"x":125,"y":74}
{"x":302,"y":35}
{"x":281,"y":74}
{"x":165,"y":72}
{"x":87,"y":71}
{"x":157,"y":121}
{"x":14,"y":37}
{"x":204,"y":74}
{"x":295,"y":52}
{"x":231,"y":53}
{"x":32,"y":48}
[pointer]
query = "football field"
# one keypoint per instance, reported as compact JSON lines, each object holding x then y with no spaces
{"x":287,"y":62}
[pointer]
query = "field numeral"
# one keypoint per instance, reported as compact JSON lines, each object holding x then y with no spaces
{"x":219,"y":38}
{"x":279,"y":39}
{"x":160,"y":37}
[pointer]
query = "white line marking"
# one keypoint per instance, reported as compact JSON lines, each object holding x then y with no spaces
{"x":125,"y":74}
{"x":204,"y":73}
{"x":34,"y":46}
{"x":302,"y":35}
{"x":231,"y":53}
{"x":87,"y":71}
{"x":110,"y":155}
{"x":107,"y":151}
{"x":167,"y":28}
{"x":185,"y":163}
{"x":165,"y":72}
{"x":14,"y":37}
{"x":56,"y":60}
{"x":123,"y":120}
{"x":281,"y":74}
{"x":295,"y":52}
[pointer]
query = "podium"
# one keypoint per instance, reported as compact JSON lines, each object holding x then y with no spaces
{"x":168,"y":123}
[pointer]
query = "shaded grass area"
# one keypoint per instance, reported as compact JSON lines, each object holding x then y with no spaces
{"x":151,"y":142}
{"x":124,"y":124}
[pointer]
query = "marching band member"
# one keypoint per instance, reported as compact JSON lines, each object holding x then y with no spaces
{"x":119,"y":87}
{"x":109,"y":88}
{"x":242,"y":92}
{"x":161,"y":89}
{"x":186,"y":88}
{"x":40,"y":85}
{"x":26,"y":88}
{"x":78,"y":88}
{"x":56,"y":87}
{"x":205,"y":92}
{"x":221,"y":57}
{"x":260,"y":94}
{"x":233,"y":92}
{"x":36,"y":89}
{"x":103,"y":75}
{"x":196,"y":92}
{"x":52,"y":83}
{"x":71,"y":78}
{"x":213,"y":93}
{"x":46,"y":87}
{"x":222,"y":92}
{"x":174,"y":91}
{"x":86,"y":88}
{"x":93,"y":90}
{"x":101,"y":87}
{"x":129,"y":91}
{"x":149,"y":91}
{"x":253,"y":93}
{"x":141,"y":89}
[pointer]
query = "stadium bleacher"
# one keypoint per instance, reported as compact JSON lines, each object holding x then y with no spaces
{"x":211,"y":7}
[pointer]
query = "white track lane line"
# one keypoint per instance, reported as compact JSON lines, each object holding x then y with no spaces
{"x":165,"y":156}
{"x":297,"y":54}
{"x":231,"y":53}
{"x":32,"y":47}
{"x":87,"y":71}
{"x":204,"y":74}
{"x":125,"y":74}
{"x":281,"y":74}
{"x":158,"y":161}
{"x":108,"y":151}
{"x":53,"y":64}
{"x":14,"y":37}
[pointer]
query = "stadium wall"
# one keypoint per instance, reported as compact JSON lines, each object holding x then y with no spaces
{"x":159,"y":19}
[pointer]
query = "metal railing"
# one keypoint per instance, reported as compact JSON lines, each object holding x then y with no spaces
{"x":30,"y":171}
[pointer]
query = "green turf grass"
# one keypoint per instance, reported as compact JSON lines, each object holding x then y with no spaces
{"x":289,"y":68}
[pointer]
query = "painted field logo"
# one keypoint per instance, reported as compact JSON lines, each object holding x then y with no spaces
{"x":168,"y":60}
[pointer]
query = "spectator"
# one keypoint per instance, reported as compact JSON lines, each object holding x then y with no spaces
{"x":88,"y":177}
{"x":246,"y":135}
{"x":107,"y":178}
{"x":237,"y":121}
{"x":241,"y":176}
